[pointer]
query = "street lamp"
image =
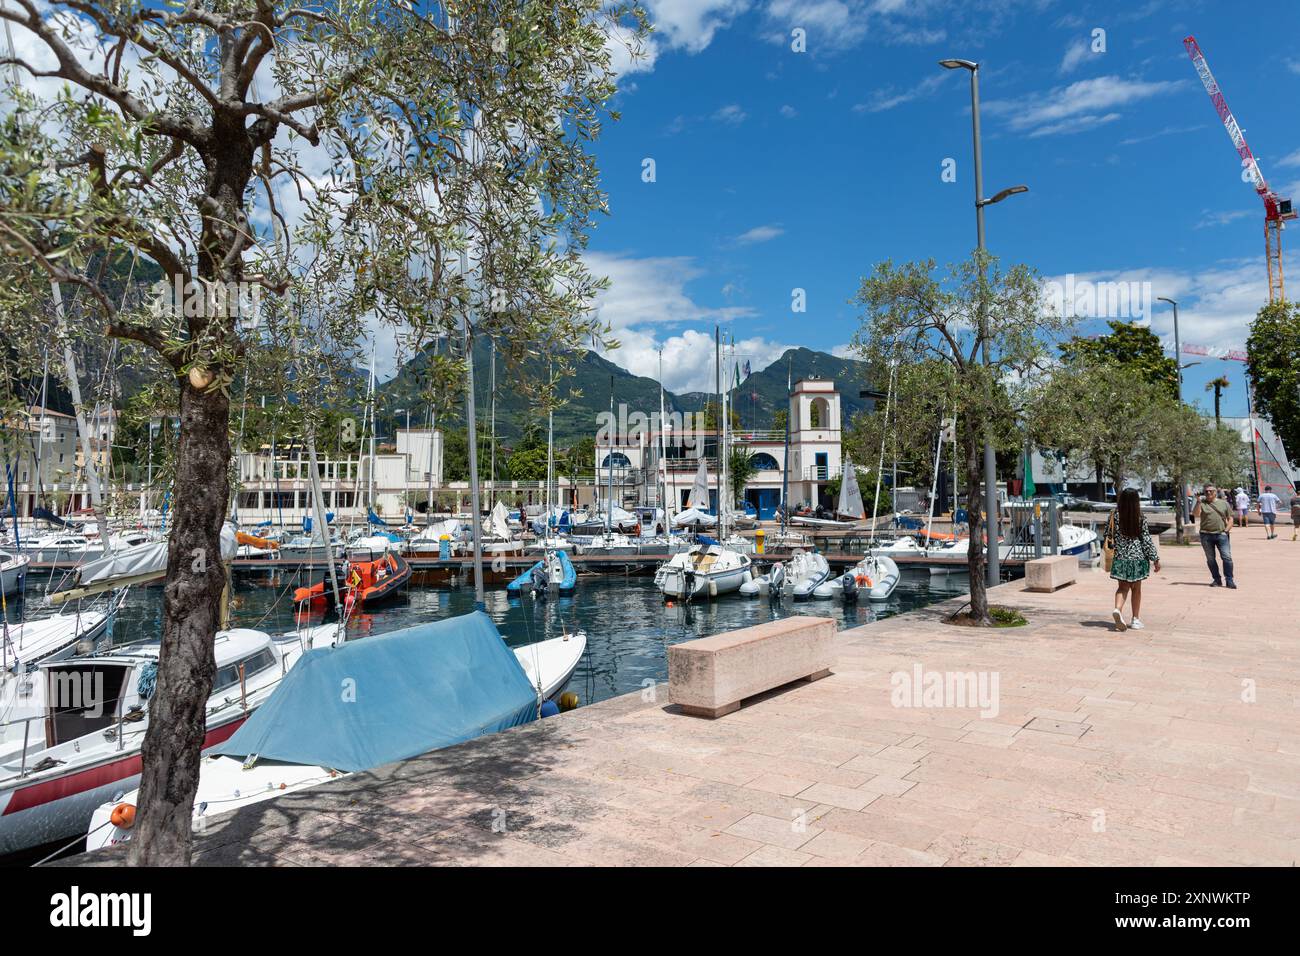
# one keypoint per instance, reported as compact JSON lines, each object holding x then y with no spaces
{"x":1178,"y":350}
{"x":991,"y":510}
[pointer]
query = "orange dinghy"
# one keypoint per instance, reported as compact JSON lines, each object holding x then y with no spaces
{"x":365,"y":582}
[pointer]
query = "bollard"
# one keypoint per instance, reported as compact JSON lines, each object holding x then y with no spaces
{"x":759,"y":541}
{"x":444,"y":548}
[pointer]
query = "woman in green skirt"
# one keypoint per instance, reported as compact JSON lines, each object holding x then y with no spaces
{"x":1135,"y":553}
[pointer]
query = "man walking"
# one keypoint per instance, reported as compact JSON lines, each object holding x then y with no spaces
{"x":1295,"y":514}
{"x":1268,"y":505}
{"x":1243,"y":508}
{"x":1215,"y":516}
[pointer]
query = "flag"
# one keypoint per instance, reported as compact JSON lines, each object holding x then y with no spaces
{"x":1029,"y":488}
{"x":736,"y":376}
{"x":747,"y":369}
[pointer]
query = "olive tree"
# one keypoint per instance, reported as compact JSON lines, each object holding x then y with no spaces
{"x":345,"y":164}
{"x":989,"y":329}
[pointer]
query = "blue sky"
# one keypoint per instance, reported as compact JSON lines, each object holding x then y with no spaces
{"x":777,"y":170}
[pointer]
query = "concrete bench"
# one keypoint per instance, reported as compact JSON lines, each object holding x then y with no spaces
{"x":710,"y":677}
{"x":1048,"y":574}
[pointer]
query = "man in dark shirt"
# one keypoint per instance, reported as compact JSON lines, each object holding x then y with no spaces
{"x":1215,"y":516}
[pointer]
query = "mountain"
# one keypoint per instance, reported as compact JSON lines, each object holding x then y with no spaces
{"x":757,"y":399}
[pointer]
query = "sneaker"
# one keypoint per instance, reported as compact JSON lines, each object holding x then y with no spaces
{"x":1136,"y":624}
{"x":1217,"y":584}
{"x":1118,"y":618}
{"x":1232,"y":585}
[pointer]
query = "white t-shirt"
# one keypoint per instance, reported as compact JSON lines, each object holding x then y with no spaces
{"x":1268,"y":503}
{"x":1243,"y":501}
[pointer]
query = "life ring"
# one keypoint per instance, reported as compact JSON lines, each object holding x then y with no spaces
{"x":864,"y":580}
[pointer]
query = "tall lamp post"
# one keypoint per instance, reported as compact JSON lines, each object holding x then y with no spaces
{"x":991,"y":510}
{"x":1178,"y":345}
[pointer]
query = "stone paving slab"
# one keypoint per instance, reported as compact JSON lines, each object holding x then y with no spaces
{"x":1175,"y":745}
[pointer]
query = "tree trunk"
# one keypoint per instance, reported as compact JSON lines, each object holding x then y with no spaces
{"x":975,"y":562}
{"x":1179,"y":504}
{"x":192,"y":596}
{"x":191,"y":616}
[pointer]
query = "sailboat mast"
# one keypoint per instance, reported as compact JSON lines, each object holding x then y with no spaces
{"x":471,"y":425}
{"x":370,"y":410}
{"x":550,"y":452}
{"x":661,"y":472}
{"x":83,"y":435}
{"x":785,"y":468}
{"x":492,"y":417}
{"x":609,"y":463}
{"x":717,"y":437}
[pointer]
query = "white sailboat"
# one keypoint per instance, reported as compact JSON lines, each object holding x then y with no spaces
{"x":13,"y":572}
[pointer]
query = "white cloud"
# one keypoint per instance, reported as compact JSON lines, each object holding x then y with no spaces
{"x":1221,"y":218}
{"x":759,"y":234}
{"x":646,"y":298}
{"x":731,"y":114}
{"x":1081,"y":105}
{"x":833,"y":23}
{"x":889,"y":97}
{"x":789,"y":112}
{"x":1291,"y":159}
{"x":691,"y":24}
{"x":1216,"y":305}
{"x":1075,"y":54}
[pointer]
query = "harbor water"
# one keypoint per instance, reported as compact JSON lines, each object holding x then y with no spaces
{"x":628,"y":625}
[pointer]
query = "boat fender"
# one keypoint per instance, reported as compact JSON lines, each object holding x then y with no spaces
{"x":746,"y":577}
{"x":713,"y":589}
{"x":568,"y":701}
{"x":123,"y":816}
{"x":550,"y":708}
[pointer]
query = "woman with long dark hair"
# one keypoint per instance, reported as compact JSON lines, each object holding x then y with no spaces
{"x":1135,"y":554}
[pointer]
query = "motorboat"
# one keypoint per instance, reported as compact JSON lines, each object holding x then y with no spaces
{"x":369,"y":547}
{"x":766,"y":585}
{"x":805,"y":572}
{"x":429,"y":542}
{"x":365,"y":583}
{"x":31,"y":642}
{"x":86,"y":719}
{"x":608,"y":544}
{"x":555,"y":570}
{"x":444,"y":683}
{"x":707,"y":569}
{"x":13,"y":572}
{"x":876,"y":575}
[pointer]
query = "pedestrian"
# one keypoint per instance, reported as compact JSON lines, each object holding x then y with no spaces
{"x":1242,"y":501}
{"x":1135,"y":555}
{"x":1216,"y":522}
{"x":1268,"y":505}
{"x":1295,"y":513}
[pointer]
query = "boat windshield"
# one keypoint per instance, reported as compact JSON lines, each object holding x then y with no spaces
{"x":228,"y":676}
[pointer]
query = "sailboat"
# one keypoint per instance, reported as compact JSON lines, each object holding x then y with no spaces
{"x":708,"y":568}
{"x":696,"y":514}
{"x":442,"y":683}
{"x":13,"y":572}
{"x":555,"y":570}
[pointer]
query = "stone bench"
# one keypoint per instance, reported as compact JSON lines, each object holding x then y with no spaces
{"x":1049,"y":574}
{"x":710,"y":677}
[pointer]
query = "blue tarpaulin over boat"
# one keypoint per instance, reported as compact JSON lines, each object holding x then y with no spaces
{"x":398,"y":695}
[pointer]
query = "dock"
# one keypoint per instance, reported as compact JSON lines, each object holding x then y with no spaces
{"x":1177,"y":744}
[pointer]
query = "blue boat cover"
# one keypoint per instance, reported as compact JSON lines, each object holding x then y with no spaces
{"x":370,"y":702}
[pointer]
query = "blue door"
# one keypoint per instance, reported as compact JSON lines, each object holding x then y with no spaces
{"x":764,"y":501}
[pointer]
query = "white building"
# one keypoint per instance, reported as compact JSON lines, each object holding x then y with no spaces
{"x":633,"y":462}
{"x":278,"y":488}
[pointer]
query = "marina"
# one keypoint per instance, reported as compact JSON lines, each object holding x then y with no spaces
{"x":1152,"y":732}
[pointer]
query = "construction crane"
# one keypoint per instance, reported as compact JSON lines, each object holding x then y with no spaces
{"x":1276,"y":209}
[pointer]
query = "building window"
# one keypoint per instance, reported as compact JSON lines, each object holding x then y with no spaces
{"x":619,"y":459}
{"x":764,"y":462}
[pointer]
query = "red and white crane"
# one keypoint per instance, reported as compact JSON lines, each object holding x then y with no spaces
{"x":1276,"y":209}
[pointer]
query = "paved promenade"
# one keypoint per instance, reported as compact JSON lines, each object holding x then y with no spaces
{"x":1179,"y":744}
